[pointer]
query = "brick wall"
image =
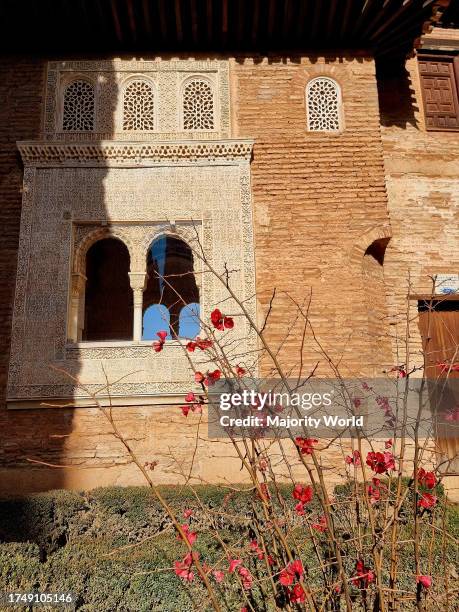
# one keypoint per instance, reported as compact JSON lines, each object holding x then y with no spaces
{"x":319,"y":202}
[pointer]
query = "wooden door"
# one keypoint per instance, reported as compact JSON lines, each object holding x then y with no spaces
{"x":439,"y":329}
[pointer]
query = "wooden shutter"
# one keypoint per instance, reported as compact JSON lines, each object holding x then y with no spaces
{"x":439,"y":91}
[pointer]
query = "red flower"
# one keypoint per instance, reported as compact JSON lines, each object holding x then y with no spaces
{"x":158,"y":344}
{"x":185,"y":410}
{"x":299,"y":509}
{"x":427,"y":479}
{"x":190,"y":535}
{"x":364,"y":575}
{"x":297,"y":594}
{"x":198,"y":343}
{"x":212,"y":377}
{"x":218,"y":575}
{"x":381,"y":462}
{"x":426,"y":581}
{"x":306,"y":445}
{"x":246,"y":577}
{"x":427,"y":500}
{"x":374,"y":494}
{"x":388,"y":444}
{"x":292,"y":572}
{"x":182,"y":568}
{"x":354,"y":459}
{"x":321,"y":525}
{"x":220,"y":321}
{"x":240,"y":371}
{"x":190,"y":397}
{"x":187,"y":513}
{"x":199,"y":377}
{"x":303,"y":494}
{"x":233,"y":564}
{"x":401,"y":371}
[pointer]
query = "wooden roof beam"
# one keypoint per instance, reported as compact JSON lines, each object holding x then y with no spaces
{"x":347,"y":12}
{"x":255,"y":20}
{"x":131,"y":18}
{"x":162,"y":18}
{"x":210,"y":26}
{"x":116,"y":21}
{"x":178,"y":20}
{"x":146,"y":16}
{"x":300,"y":24}
{"x":364,"y":12}
{"x":194,"y":21}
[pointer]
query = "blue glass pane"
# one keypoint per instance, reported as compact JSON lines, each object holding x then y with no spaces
{"x":155,"y":318}
{"x":158,"y":253}
{"x":189,"y":325}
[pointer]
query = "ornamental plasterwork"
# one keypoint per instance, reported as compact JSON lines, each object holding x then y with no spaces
{"x":110,"y":80}
{"x":199,"y":191}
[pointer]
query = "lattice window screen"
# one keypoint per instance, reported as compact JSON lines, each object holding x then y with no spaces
{"x":198,"y":106}
{"x":323,"y":105}
{"x":79,"y":103}
{"x":139,"y":107}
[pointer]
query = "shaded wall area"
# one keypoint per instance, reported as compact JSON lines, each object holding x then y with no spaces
{"x":21,"y":434}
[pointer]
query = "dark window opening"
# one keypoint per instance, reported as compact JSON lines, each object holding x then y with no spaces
{"x":171,"y":297}
{"x":108,"y":298}
{"x":377,"y":249}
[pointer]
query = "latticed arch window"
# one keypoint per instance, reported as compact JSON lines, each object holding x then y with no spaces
{"x":198,"y":105}
{"x":79,"y":104}
{"x":323,"y":104}
{"x":139,"y":106}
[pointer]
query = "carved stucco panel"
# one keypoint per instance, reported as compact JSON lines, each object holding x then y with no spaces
{"x":64,"y":207}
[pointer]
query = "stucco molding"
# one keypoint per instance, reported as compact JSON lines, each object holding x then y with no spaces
{"x":108,"y":152}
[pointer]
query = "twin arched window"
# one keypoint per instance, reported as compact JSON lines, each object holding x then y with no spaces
{"x":170,"y":298}
{"x":323,"y":105}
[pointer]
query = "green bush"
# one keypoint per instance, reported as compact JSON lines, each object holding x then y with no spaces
{"x":63,"y":541}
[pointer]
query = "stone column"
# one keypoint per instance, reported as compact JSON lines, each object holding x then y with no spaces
{"x":138,"y":282}
{"x":76,"y":319}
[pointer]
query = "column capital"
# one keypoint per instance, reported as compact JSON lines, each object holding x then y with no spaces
{"x":138,"y":281}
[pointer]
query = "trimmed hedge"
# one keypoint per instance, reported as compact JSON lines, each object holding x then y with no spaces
{"x":64,"y":541}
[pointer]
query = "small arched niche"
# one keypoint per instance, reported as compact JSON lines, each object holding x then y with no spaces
{"x":171,"y":284}
{"x":108,"y":309}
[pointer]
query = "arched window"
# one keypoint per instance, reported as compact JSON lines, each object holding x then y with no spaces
{"x":171,"y":284}
{"x":323,"y":103}
{"x":198,"y":105}
{"x":78,"y":110}
{"x":139,"y":106}
{"x":108,"y":298}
